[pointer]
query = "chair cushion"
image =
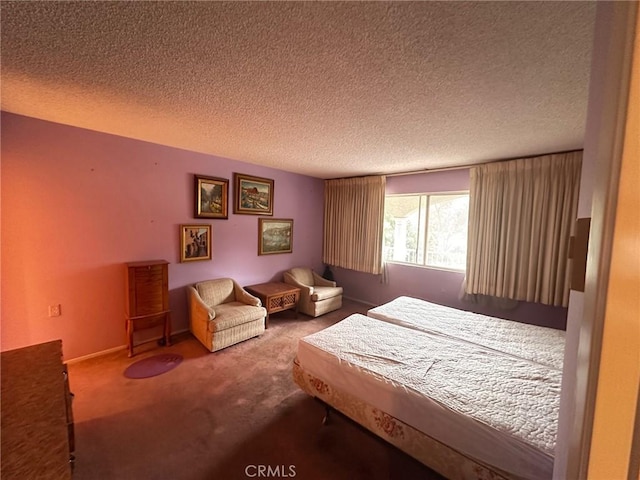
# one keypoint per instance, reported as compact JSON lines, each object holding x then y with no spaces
{"x":214,"y":292}
{"x":322,"y":293}
{"x":232,"y":314}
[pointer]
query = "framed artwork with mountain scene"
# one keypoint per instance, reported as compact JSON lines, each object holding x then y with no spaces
{"x":275,"y":235}
{"x":252,"y":195}
{"x":211,"y":197}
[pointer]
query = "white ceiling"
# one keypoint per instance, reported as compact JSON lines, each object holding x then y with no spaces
{"x":326,"y":89}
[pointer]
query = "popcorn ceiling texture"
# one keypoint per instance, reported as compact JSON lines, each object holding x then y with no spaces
{"x":326,"y":89}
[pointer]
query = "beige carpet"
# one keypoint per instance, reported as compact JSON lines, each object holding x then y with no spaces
{"x":223,"y":415}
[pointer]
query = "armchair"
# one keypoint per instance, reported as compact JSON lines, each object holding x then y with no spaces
{"x":222,"y":313}
{"x":317,"y":295}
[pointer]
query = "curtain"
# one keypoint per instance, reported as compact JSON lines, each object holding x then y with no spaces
{"x":353,"y":223}
{"x":521,"y":215}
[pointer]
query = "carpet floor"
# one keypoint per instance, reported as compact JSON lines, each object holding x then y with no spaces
{"x":225,"y":415}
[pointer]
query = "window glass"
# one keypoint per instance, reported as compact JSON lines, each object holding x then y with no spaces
{"x":429,"y":230}
{"x":402,"y":228}
{"x":447,"y":231}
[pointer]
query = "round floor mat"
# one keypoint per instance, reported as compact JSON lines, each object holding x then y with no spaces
{"x":152,"y":366}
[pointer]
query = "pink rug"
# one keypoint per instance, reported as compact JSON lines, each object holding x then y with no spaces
{"x":152,"y":366}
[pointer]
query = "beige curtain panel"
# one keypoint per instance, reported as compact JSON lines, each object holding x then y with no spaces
{"x":353,"y":223}
{"x":521,"y":216}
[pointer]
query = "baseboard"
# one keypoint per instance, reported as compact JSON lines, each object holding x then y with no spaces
{"x":360,"y":301}
{"x":111,"y":350}
{"x":96,"y":354}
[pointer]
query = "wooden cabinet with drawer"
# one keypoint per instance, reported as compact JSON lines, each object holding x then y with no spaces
{"x":37,"y":438}
{"x":147,"y":303}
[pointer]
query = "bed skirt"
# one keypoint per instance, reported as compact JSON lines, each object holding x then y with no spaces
{"x":435,"y":455}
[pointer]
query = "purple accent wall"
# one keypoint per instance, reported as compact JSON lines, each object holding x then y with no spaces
{"x":77,"y":205}
{"x":438,"y":286}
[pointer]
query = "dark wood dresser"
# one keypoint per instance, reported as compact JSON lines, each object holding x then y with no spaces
{"x":147,"y":303}
{"x":37,"y":420}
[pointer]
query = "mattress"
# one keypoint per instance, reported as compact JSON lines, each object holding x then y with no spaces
{"x":537,"y":344}
{"x":498,"y":409}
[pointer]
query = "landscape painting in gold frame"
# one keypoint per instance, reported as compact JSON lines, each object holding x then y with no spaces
{"x":275,"y":236}
{"x":252,"y":195}
{"x":211,"y":197}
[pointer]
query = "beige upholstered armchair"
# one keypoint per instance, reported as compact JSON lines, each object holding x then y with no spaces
{"x":317,"y":295}
{"x":222,"y":313}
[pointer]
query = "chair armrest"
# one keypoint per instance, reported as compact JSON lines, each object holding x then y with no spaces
{"x":245,"y":297}
{"x":323,"y":282}
{"x":305,"y":290}
{"x":199,"y":309}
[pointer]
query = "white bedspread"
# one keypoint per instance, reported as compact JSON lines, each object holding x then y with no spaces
{"x":538,"y":344}
{"x":500,"y":409}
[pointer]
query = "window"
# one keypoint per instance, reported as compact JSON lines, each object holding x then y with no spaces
{"x":428,"y":230}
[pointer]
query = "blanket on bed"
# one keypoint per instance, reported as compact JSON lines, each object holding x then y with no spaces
{"x":497,"y":407}
{"x":538,"y":344}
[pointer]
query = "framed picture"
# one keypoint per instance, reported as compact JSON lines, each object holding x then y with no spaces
{"x":275,"y":236}
{"x":195,"y":242}
{"x":211,"y":197}
{"x":252,"y":195}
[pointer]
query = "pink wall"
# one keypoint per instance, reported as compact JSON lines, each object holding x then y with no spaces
{"x":438,"y":286}
{"x":77,"y":205}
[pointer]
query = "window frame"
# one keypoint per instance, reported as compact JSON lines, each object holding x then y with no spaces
{"x":425,"y":228}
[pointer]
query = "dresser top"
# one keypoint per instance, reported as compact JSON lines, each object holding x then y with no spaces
{"x":147,"y":263}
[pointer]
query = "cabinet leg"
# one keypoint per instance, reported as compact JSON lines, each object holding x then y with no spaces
{"x":167,"y":330}
{"x":130,"y":337}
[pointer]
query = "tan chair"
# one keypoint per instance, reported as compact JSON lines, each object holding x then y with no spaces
{"x":317,"y":295}
{"x":222,"y":313}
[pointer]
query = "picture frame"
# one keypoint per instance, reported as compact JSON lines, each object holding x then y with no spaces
{"x":211,"y":196}
{"x":275,"y":235}
{"x":252,"y":195}
{"x":195,"y":242}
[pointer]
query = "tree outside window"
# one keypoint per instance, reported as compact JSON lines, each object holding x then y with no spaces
{"x":427,"y":230}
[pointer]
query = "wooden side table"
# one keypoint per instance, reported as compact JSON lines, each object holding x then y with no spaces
{"x":275,"y":297}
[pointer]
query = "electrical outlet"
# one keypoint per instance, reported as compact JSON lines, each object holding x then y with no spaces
{"x":55,"y":310}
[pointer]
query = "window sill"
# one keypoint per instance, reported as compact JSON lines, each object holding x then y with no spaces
{"x":428,"y":267}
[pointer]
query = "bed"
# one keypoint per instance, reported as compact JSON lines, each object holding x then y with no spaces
{"x":465,"y":409}
{"x":539,"y":344}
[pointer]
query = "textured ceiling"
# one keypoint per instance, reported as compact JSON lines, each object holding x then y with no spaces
{"x":326,"y":89}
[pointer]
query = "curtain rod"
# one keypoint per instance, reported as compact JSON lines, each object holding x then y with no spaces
{"x":460,"y":167}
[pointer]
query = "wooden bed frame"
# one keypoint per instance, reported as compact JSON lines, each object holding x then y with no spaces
{"x":432,"y":453}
